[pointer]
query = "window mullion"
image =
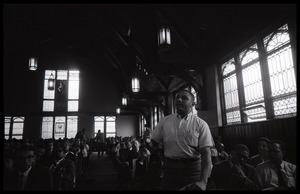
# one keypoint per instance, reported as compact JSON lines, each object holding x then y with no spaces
{"x":104,"y":127}
{"x":240,"y":87}
{"x":293,"y":41}
{"x":265,"y":80}
{"x":11,"y":128}
{"x":223,"y":106}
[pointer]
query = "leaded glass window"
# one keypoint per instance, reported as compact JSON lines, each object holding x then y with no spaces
{"x":193,"y":91}
{"x":110,"y":126}
{"x":281,"y":72}
{"x":7,"y":123}
{"x":65,"y":98}
{"x":230,"y":89}
{"x":99,"y":124}
{"x":18,"y":126}
{"x":72,"y":126}
{"x":267,"y":80}
{"x":47,"y":127}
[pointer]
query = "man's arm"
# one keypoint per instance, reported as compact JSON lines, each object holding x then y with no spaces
{"x":153,"y":146}
{"x":206,"y":166}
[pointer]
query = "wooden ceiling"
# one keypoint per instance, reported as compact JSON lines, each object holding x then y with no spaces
{"x":117,"y":36}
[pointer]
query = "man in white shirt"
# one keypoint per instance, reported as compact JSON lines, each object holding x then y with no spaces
{"x":187,"y":143}
{"x":275,"y":173}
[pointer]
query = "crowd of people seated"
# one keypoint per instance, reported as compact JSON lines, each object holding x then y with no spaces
{"x":45,"y":164}
{"x":137,"y":166}
{"x":140,"y":168}
{"x":267,"y":170}
{"x":48,"y":164}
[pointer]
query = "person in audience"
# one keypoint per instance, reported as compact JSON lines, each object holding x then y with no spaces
{"x":49,"y":157}
{"x":155,"y":172}
{"x":142,"y":168}
{"x":64,"y":171}
{"x":40,"y":152}
{"x":123,"y":165}
{"x":84,"y":153}
{"x":10,"y":175}
{"x":275,"y":173}
{"x":234,"y":173}
{"x":262,"y":155}
{"x":214,"y":155}
{"x":80,"y":134}
{"x":222,"y":154}
{"x":187,"y":143}
{"x":100,"y":141}
{"x":31,"y":177}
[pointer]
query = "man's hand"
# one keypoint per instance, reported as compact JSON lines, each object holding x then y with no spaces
{"x":199,"y":185}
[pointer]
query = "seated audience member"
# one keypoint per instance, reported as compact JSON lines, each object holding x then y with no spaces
{"x":155,"y":174}
{"x":214,"y":155}
{"x":234,"y":173}
{"x":222,"y":154}
{"x":262,"y":146}
{"x":49,"y":157}
{"x":64,"y":171}
{"x":40,"y":151}
{"x":275,"y":173}
{"x":31,"y":177}
{"x":10,"y":175}
{"x":141,"y":168}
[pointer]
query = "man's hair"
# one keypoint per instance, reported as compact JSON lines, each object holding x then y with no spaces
{"x":24,"y":148}
{"x":264,"y":139}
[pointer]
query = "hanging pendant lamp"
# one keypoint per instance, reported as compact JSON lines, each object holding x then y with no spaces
{"x":124,"y":100}
{"x":135,"y":83}
{"x":164,"y":36}
{"x":51,"y":82}
{"x":32,"y":63}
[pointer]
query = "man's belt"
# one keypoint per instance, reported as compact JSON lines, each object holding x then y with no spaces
{"x":181,"y":160}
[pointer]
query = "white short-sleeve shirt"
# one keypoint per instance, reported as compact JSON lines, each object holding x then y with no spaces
{"x":182,"y":137}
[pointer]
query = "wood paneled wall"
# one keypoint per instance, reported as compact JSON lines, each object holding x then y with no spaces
{"x":248,"y":134}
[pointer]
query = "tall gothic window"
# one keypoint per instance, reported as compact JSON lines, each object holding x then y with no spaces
{"x":63,"y":100}
{"x":259,"y":82}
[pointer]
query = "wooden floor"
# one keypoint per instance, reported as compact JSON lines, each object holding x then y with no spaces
{"x":100,"y":174}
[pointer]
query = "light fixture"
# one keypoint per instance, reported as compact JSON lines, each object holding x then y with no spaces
{"x":124,"y":100}
{"x":135,"y":83}
{"x":32,"y":63}
{"x":51,"y":82}
{"x":118,"y":110}
{"x":164,"y":36}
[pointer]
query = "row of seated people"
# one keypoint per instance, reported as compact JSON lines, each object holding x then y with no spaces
{"x":267,"y":170}
{"x":137,"y":167}
{"x":45,"y":164}
{"x":141,"y":168}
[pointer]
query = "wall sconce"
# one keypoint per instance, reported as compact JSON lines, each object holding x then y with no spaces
{"x":164,"y":36}
{"x":124,"y":100}
{"x":32,"y":63}
{"x":51,"y":82}
{"x":118,"y":110}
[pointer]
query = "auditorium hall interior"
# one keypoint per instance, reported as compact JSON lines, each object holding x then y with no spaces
{"x":93,"y":78}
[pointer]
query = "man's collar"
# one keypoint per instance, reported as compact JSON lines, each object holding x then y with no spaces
{"x":186,"y":117}
{"x":26,"y":172}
